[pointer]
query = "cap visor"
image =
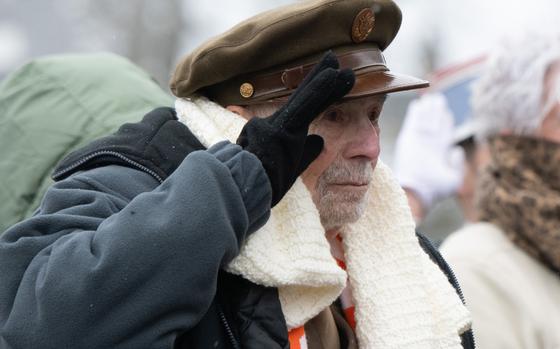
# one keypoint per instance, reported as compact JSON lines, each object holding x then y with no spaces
{"x":381,"y":82}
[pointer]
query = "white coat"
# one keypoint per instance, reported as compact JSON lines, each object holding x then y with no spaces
{"x":514,"y":300}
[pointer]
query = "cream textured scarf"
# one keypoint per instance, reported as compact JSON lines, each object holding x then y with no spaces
{"x":402,"y":298}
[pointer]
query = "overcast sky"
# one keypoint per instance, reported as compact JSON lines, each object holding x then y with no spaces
{"x":463,"y":29}
{"x":434,"y":33}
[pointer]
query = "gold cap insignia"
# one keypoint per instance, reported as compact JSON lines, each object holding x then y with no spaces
{"x":362,"y":25}
{"x":246,"y":90}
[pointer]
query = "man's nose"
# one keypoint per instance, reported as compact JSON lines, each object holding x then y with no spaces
{"x":363,"y":141}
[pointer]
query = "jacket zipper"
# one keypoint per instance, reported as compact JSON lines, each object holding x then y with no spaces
{"x":229,"y":332}
{"x":455,"y":282}
{"x":105,"y":153}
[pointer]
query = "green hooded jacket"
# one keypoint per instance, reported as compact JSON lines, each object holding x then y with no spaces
{"x":56,"y":104}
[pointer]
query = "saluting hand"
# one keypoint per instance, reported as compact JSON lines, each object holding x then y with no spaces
{"x":280,"y":141}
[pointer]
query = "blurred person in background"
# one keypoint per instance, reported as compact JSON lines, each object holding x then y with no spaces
{"x":155,"y":236}
{"x":509,"y":263}
{"x":436,"y":155}
{"x":43,"y":122}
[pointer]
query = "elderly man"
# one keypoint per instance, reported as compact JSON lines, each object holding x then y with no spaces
{"x":155,"y":237}
{"x":509,"y":264}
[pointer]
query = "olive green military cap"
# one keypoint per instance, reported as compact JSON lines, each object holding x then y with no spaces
{"x":265,"y":57}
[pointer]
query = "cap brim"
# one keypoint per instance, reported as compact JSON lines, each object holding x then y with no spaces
{"x":375,"y":83}
{"x":382,"y":82}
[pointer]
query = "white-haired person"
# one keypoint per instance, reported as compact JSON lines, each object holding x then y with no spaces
{"x":509,"y":263}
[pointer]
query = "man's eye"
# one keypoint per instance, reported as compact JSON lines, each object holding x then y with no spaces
{"x":334,"y":115}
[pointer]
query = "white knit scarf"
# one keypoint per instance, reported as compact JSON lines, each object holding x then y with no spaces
{"x":402,"y":298}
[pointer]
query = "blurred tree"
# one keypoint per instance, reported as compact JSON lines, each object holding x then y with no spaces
{"x":150,"y":31}
{"x":147,"y":32}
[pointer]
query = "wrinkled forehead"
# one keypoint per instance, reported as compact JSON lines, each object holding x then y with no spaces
{"x":352,"y":111}
{"x":367,"y":101}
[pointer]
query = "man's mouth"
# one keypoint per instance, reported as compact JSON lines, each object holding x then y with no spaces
{"x":351,"y":184}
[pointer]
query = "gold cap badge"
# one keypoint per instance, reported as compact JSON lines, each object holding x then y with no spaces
{"x":246,"y":90}
{"x":362,"y":25}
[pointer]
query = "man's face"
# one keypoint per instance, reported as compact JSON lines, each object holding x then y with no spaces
{"x":340,"y":177}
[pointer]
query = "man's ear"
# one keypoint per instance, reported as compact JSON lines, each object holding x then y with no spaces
{"x":239,"y":110}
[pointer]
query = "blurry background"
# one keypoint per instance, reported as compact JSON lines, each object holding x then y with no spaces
{"x":155,"y":34}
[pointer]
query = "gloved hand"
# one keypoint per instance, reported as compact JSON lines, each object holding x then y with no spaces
{"x":280,"y":141}
{"x":426,"y":160}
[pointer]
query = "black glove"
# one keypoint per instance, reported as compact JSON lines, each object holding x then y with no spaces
{"x":280,"y":141}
